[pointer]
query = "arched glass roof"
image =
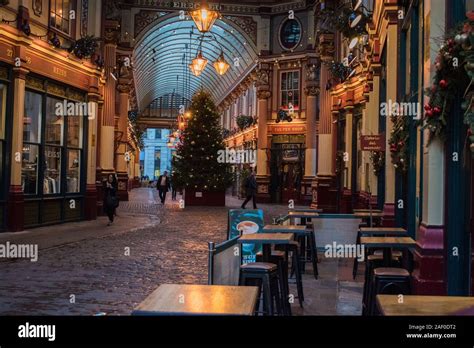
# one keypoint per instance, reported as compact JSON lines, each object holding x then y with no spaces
{"x":163,"y":54}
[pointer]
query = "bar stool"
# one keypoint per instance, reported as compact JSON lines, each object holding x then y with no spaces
{"x":280,"y":258}
{"x":296,"y":267}
{"x":388,"y":280}
{"x":265,"y":275}
{"x":309,"y":250}
{"x":372,"y":262}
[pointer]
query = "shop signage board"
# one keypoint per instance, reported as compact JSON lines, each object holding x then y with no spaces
{"x":374,"y":142}
{"x":246,"y":221}
{"x":287,"y":129}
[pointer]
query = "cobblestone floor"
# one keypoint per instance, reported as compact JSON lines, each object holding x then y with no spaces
{"x":87,"y":261}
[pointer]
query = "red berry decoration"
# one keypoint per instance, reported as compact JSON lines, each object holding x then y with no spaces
{"x":443,"y":83}
{"x":451,"y":42}
{"x":433,"y":88}
{"x":427,"y":107}
{"x":429,"y":113}
{"x":436,"y":110}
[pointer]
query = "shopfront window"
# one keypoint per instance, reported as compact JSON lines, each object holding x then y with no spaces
{"x":54,"y":123}
{"x":3,"y":107}
{"x":52,"y":158}
{"x":31,"y":140}
{"x":290,"y":90}
{"x":60,"y":10}
{"x":73,"y":171}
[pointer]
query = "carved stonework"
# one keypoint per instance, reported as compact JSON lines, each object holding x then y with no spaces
{"x":84,"y":17}
{"x":37,"y":7}
{"x":112,"y":9}
{"x":145,"y":18}
{"x":312,"y":91}
{"x":112,"y":33}
{"x":247,"y":24}
{"x":312,"y":73}
{"x":326,"y":46}
{"x":263,"y":94}
{"x":124,"y":86}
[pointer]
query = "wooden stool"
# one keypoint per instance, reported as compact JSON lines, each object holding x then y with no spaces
{"x":388,"y":280}
{"x":265,"y":275}
{"x":279,"y":258}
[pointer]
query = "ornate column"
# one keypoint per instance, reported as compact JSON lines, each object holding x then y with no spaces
{"x":15,"y":204}
{"x":312,"y":93}
{"x":122,"y":134}
{"x":107,"y":128}
{"x":391,"y":47}
{"x":429,"y":277}
{"x":263,"y":94}
{"x":324,"y":186}
{"x":90,"y":209}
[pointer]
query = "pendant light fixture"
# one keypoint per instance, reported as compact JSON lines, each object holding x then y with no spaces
{"x":204,"y":18}
{"x":221,"y":64}
{"x":198,"y":64}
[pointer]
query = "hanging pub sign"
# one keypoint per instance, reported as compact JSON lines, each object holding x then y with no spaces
{"x":374,"y":142}
{"x":246,"y":221}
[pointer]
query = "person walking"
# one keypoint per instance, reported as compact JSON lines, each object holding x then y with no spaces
{"x":110,"y":197}
{"x":163,"y":186}
{"x":250,"y":190}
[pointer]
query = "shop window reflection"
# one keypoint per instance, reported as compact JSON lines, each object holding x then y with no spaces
{"x":29,"y":169}
{"x":73,"y":171}
{"x":52,"y":170}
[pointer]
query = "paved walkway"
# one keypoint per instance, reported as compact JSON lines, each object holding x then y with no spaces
{"x":87,"y":268}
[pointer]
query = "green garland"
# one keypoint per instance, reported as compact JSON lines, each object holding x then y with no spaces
{"x":398,"y":142}
{"x":338,"y":70}
{"x":455,"y":58}
{"x":378,"y":161}
{"x":244,"y":121}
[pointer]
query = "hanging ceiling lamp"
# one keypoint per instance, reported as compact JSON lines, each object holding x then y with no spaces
{"x":198,"y":64}
{"x":221,"y":64}
{"x":204,"y":18}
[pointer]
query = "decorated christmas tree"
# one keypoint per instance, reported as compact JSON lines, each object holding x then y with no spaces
{"x":196,"y":164}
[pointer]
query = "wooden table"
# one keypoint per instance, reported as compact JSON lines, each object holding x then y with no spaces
{"x":306,"y":210}
{"x":302,"y":215}
{"x":367,"y":211}
{"x":296,"y":229}
{"x":387,"y":243}
{"x":367,"y":216}
{"x":177,"y":299}
{"x":371,"y":231}
{"x":425,"y":305}
{"x":266,"y":239}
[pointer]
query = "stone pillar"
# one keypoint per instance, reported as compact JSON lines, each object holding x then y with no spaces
{"x":312,"y":94}
{"x":346,"y":195}
{"x":107,"y":129}
{"x":324,"y":186}
{"x":263,"y":94}
{"x":428,"y":276}
{"x":262,"y":112}
{"x":90,"y":210}
{"x":16,"y":204}
{"x":392,"y":64}
{"x":122,"y":164}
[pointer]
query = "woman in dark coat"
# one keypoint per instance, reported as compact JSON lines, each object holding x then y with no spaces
{"x":110,"y":197}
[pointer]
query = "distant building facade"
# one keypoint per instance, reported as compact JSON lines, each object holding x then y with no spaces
{"x":156,"y":154}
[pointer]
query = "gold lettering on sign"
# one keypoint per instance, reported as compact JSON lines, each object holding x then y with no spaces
{"x":9,"y":52}
{"x":60,"y":72}
{"x":28,"y":59}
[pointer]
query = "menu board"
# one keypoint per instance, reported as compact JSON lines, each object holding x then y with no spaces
{"x":248,"y":222}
